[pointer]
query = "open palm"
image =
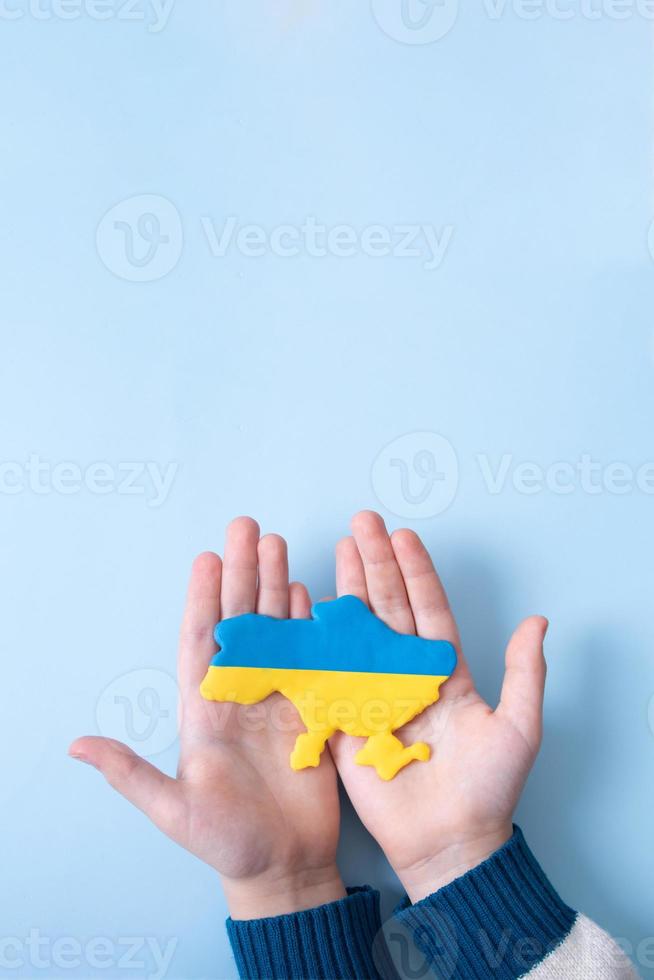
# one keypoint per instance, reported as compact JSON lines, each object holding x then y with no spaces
{"x":270,"y":832}
{"x":438,"y":818}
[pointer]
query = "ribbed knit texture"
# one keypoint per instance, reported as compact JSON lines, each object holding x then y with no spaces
{"x":498,"y":920}
{"x":331,"y":942}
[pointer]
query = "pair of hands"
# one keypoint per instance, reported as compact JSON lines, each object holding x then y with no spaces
{"x":271,"y":832}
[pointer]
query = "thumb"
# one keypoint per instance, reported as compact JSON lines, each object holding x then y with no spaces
{"x":138,"y":781}
{"x":521,"y":701}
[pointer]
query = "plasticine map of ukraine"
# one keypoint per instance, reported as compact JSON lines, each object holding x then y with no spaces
{"x":344,"y":670}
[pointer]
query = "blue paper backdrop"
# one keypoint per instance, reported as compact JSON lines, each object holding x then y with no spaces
{"x":441,"y":308}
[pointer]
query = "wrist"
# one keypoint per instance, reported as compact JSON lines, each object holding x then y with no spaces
{"x":451,"y":861}
{"x":282,"y":893}
{"x":504,"y":905}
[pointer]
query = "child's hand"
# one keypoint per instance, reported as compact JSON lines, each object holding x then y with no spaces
{"x":438,"y":819}
{"x":236,"y":803}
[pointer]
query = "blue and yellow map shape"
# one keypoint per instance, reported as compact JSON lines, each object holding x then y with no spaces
{"x":343,"y":670}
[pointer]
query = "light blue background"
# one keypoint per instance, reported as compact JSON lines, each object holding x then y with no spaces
{"x":273,"y":383}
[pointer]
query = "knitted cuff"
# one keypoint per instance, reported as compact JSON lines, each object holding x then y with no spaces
{"x":500,"y":919}
{"x":331,"y":941}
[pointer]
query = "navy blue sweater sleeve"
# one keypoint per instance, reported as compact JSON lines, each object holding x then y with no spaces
{"x":331,"y":941}
{"x":500,"y":920}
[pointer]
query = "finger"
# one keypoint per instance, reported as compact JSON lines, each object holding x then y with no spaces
{"x":299,"y":601}
{"x":350,"y":574}
{"x":431,"y":610}
{"x":239,"y":583}
{"x":272,"y":597}
{"x":384,"y":582}
{"x":139,"y":782}
{"x":521,"y":700}
{"x":196,"y":643}
{"x":429,"y":603}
